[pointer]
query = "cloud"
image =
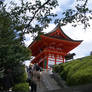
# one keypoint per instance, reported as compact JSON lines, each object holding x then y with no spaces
{"x":90,"y":4}
{"x":50,"y":28}
{"x":28,"y":39}
{"x":83,"y":49}
{"x":63,"y":5}
{"x":63,"y":2}
{"x":2,"y":0}
{"x":77,"y":33}
{"x":15,"y":1}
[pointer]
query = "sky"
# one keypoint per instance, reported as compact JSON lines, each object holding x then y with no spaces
{"x":76,"y":33}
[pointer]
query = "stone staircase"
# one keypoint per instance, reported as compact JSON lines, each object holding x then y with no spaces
{"x":50,"y":84}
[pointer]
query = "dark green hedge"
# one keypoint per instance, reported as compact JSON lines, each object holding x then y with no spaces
{"x":21,"y":87}
{"x":76,"y":72}
{"x":19,"y":74}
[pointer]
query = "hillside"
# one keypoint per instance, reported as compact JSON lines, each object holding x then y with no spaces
{"x":76,"y":72}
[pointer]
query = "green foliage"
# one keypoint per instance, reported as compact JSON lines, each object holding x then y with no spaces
{"x":19,"y":74}
{"x":24,"y":14}
{"x":76,"y":16}
{"x":21,"y":87}
{"x":12,"y":51}
{"x":82,"y":76}
{"x":56,"y":68}
{"x":1,"y":74}
{"x":76,"y":72}
{"x":28,"y":11}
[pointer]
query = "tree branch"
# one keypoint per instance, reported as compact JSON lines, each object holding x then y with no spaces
{"x":36,"y":12}
{"x":85,"y":3}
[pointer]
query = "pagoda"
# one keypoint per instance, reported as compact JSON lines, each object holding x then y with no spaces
{"x":52,"y":48}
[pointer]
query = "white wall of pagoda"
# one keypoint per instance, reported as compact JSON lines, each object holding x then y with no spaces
{"x":54,"y":59}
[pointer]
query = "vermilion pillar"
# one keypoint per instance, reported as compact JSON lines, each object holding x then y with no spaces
{"x":43,"y":64}
{"x":47,"y":63}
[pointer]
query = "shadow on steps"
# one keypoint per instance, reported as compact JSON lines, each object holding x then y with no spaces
{"x":82,"y":88}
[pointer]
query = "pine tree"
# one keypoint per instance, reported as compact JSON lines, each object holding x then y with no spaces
{"x":12,"y":51}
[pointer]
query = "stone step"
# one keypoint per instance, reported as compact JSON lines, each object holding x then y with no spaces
{"x":80,"y":88}
{"x":49,"y":82}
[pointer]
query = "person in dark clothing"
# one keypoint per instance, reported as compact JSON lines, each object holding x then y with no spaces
{"x":33,"y":86}
{"x":32,"y":78}
{"x":36,"y":67}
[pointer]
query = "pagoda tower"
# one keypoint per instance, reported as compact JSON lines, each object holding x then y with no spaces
{"x":52,"y":48}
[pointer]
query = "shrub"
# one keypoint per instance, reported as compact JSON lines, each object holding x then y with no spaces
{"x":22,"y":78}
{"x":76,"y":72}
{"x":75,"y":67}
{"x":56,"y":68}
{"x":66,"y":67}
{"x":21,"y":87}
{"x":82,"y":76}
{"x":19,"y":74}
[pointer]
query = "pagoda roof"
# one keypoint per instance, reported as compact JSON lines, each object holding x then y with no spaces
{"x":56,"y":35}
{"x":61,"y":35}
{"x":58,"y":30}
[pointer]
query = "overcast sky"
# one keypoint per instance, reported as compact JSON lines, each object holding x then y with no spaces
{"x":76,"y":33}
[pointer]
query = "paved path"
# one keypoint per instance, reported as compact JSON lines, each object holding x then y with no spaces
{"x":42,"y":87}
{"x":47,"y":83}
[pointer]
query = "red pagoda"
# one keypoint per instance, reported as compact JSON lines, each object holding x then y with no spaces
{"x":52,"y":48}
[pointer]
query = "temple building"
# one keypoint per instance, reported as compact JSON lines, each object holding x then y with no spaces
{"x":52,"y":48}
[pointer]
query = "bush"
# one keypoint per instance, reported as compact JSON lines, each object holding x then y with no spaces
{"x":21,"y":87}
{"x":76,"y":72}
{"x":82,"y":76}
{"x":19,"y":74}
{"x":75,"y":67}
{"x":22,"y":78}
{"x":66,"y":67}
{"x":56,"y":68}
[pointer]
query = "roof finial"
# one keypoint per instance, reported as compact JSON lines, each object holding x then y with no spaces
{"x":59,"y":25}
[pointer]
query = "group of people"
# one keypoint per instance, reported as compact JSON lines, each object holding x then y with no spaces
{"x":34,"y":76}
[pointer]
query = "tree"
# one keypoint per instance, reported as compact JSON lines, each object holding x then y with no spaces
{"x":12,"y":51}
{"x":41,"y":13}
{"x":13,"y":26}
{"x":28,"y":12}
{"x":33,"y":17}
{"x":81,"y":14}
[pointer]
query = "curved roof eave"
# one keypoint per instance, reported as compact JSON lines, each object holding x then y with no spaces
{"x":58,"y":26}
